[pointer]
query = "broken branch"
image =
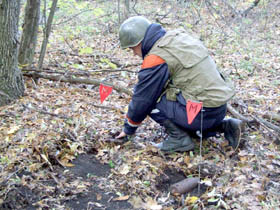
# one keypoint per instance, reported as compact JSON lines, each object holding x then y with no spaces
{"x":79,"y":73}
{"x":236,"y":113}
{"x":79,"y":81}
{"x":254,"y":4}
{"x":256,"y":119}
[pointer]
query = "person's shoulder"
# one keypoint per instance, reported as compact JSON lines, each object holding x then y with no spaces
{"x":151,"y":61}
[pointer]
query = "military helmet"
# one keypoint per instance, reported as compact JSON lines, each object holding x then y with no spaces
{"x":132,"y":31}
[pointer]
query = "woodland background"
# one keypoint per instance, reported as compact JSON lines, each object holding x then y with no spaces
{"x":57,"y":149}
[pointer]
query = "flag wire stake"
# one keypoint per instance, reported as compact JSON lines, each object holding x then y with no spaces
{"x":200,"y":148}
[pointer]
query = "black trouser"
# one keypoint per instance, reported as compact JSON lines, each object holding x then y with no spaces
{"x":176,"y":112}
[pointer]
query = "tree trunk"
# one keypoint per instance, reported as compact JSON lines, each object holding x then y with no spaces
{"x":119,"y":12}
{"x":11,"y":79}
{"x":126,"y":9}
{"x":30,"y":31}
{"x":47,"y":33}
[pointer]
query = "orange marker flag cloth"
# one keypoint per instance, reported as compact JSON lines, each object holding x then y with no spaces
{"x":193,"y":109}
{"x":104,"y":92}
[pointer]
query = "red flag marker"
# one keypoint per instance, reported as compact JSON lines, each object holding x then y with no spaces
{"x":193,"y":109}
{"x":104,"y":92}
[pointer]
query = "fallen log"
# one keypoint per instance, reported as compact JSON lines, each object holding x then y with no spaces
{"x":76,"y":72}
{"x":78,"y":81}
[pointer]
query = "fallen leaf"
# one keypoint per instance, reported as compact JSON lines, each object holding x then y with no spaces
{"x":191,"y":200}
{"x":187,"y":160}
{"x":124,"y":169}
{"x":13,"y":129}
{"x":95,"y":204}
{"x":122,"y":198}
{"x":136,"y":202}
{"x":152,"y":204}
{"x":98,"y":197}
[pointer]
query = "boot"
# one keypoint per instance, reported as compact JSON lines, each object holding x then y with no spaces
{"x":178,"y":140}
{"x":232,"y":131}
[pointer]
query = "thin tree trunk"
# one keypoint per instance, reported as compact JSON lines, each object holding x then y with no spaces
{"x":119,"y":12}
{"x":11,"y":79}
{"x":30,"y":31}
{"x":126,"y":9}
{"x":47,"y":34}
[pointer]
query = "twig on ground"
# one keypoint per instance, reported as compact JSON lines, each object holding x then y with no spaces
{"x":4,"y":183}
{"x":8,"y":114}
{"x":254,"y":4}
{"x":55,"y":179}
{"x":45,"y":112}
{"x":272,"y":116}
{"x":262,"y":122}
{"x":268,"y":126}
{"x":108,"y":107}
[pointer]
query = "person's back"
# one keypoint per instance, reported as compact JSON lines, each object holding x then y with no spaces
{"x":193,"y":71}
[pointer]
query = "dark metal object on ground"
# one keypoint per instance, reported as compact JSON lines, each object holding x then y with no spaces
{"x":186,"y":185}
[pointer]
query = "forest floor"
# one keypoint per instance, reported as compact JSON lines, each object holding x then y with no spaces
{"x":57,"y":146}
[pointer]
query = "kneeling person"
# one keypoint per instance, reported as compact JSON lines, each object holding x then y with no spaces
{"x":176,"y":68}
